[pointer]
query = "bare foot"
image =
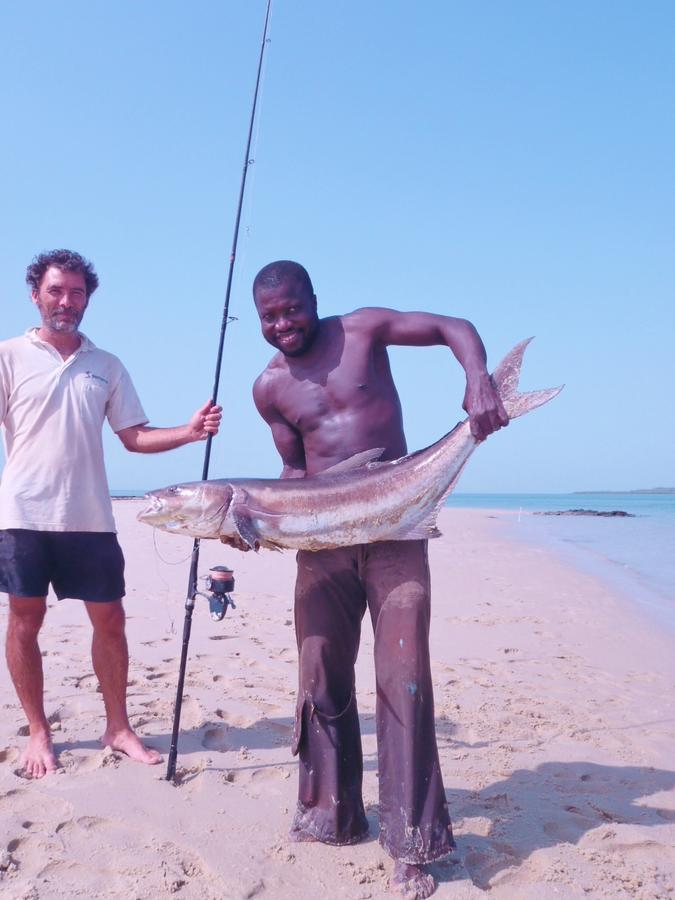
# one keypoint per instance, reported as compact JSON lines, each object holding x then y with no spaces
{"x":411,"y":882}
{"x":38,"y":759}
{"x":129,"y":743}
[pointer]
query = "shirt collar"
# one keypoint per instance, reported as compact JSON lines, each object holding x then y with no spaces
{"x":85,"y":343}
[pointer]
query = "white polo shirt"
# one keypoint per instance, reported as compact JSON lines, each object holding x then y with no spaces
{"x":52,"y":412}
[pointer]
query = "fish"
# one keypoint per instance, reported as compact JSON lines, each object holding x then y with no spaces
{"x":361,"y":500}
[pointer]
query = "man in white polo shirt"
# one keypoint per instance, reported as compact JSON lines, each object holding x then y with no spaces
{"x":56,"y":521}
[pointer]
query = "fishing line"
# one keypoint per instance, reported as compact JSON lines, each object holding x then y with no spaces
{"x":194,"y":562}
{"x":248,"y":207}
{"x":158,"y":555}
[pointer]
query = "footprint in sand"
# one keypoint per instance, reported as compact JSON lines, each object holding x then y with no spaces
{"x":143,"y":866}
{"x":216,"y":739}
{"x":9,"y":755}
{"x":236,"y":721}
{"x":482,"y":866}
{"x":186,"y":774}
{"x":263,"y":777}
{"x":101,"y":759}
{"x":28,"y":807}
{"x":257,"y":781}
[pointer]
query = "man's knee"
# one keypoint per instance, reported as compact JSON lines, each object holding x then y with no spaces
{"x":26,"y":615}
{"x":406,"y":610}
{"x":326,"y":678}
{"x":106,"y":618}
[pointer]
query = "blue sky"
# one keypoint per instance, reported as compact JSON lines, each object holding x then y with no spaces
{"x":511,"y":163}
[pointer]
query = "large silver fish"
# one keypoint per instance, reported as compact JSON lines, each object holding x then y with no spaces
{"x":358,"y":501}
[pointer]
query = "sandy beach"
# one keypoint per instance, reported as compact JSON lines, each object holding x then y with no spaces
{"x":555,"y":720}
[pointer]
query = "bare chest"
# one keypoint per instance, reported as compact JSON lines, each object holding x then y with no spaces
{"x":312,"y":398}
{"x":308,"y":404}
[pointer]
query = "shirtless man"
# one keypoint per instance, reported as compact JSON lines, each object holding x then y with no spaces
{"x":327,"y":395}
{"x":56,"y":523}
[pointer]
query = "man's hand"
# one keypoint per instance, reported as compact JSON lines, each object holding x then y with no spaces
{"x":484,"y":407}
{"x":205,"y":421}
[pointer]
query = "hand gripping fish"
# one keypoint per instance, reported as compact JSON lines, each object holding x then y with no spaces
{"x":358,"y":501}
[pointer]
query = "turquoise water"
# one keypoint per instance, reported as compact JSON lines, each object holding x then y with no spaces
{"x":635,"y":555}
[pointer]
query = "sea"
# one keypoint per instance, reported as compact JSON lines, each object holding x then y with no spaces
{"x":634,"y":554}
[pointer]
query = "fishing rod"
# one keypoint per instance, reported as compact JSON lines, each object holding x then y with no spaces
{"x":220,"y":579}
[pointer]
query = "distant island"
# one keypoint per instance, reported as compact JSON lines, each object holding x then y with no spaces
{"x":656,"y":490}
{"x":585,"y":512}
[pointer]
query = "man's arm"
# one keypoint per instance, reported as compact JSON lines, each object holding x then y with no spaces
{"x":419,"y":329}
{"x":286,"y":439}
{"x":145,"y":439}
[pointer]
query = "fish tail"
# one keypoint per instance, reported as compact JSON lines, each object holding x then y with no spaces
{"x":506,"y":377}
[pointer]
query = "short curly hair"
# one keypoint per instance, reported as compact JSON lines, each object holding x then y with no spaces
{"x":67,"y":261}
{"x":276,"y":273}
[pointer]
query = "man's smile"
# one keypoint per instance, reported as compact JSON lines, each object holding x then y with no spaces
{"x":288,"y":337}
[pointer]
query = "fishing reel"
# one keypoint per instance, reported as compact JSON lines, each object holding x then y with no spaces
{"x":219,"y":583}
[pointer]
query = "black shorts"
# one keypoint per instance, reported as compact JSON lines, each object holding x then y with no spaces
{"x":86,"y":565}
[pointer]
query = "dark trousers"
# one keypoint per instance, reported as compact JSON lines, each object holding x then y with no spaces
{"x":333,"y":590}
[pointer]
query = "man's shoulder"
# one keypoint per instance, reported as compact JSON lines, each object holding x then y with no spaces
{"x":15,"y":350}
{"x":366,"y":315}
{"x":9,"y":345}
{"x":276,"y":370}
{"x":365,"y":322}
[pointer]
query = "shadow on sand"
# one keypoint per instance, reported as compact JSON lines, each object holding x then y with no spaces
{"x":556,"y":803}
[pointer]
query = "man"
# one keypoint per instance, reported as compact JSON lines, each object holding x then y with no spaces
{"x":327,"y":395}
{"x":56,"y":522}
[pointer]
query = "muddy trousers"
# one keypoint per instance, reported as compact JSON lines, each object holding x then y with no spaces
{"x":333,"y":590}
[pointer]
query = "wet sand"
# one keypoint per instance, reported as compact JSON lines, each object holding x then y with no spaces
{"x":555,"y":718}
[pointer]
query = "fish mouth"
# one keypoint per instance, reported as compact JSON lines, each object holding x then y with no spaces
{"x":152,"y":511}
{"x":187,"y":521}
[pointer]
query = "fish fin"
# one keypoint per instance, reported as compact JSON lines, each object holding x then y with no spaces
{"x":506,"y":377}
{"x":427,"y":528}
{"x":240,"y":514}
{"x":357,"y":461}
{"x":242,"y":521}
{"x":422,"y":531}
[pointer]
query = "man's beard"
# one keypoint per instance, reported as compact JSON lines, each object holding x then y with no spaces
{"x":61,"y":324}
{"x":64,"y":326}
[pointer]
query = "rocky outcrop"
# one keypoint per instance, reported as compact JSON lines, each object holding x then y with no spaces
{"x":586,"y":512}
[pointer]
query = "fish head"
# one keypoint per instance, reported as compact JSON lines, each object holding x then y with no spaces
{"x":196,"y":509}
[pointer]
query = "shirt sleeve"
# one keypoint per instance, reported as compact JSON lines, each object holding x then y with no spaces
{"x":124,"y":408}
{"x":4,"y":389}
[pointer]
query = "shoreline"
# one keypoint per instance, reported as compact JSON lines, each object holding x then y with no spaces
{"x":591,"y":551}
{"x":554,"y":721}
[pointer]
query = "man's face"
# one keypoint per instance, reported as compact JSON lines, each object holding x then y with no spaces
{"x":287,"y":316}
{"x":61,"y":299}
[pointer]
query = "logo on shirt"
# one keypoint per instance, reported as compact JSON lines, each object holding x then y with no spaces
{"x":99,"y":378}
